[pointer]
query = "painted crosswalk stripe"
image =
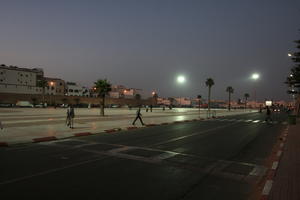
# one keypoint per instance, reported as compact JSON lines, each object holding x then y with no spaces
{"x":250,"y":120}
{"x":256,"y":121}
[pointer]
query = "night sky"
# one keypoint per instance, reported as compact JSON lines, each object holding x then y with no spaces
{"x":147,"y":43}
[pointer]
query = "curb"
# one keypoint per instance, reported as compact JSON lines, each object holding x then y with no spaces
{"x":275,"y":163}
{"x":44,"y":139}
{"x":3,"y":144}
{"x":82,"y":134}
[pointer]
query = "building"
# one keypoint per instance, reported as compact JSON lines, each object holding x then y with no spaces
{"x":182,"y":102}
{"x":74,"y":89}
{"x":163,"y":101}
{"x":15,"y":79}
{"x":55,"y":86}
{"x":120,"y":91}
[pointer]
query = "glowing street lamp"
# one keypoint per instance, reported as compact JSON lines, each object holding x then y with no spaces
{"x":255,"y":76}
{"x":290,"y":55}
{"x":180,"y":79}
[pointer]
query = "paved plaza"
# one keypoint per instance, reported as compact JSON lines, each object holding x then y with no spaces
{"x":23,"y":125}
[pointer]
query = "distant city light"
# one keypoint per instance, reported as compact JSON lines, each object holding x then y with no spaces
{"x":291,"y":75}
{"x":51,"y":83}
{"x":153,"y":93}
{"x":290,"y":55}
{"x":180,"y":79}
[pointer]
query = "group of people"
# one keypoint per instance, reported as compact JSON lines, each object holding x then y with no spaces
{"x":71,"y":115}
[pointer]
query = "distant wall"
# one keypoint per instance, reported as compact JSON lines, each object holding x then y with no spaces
{"x":58,"y":99}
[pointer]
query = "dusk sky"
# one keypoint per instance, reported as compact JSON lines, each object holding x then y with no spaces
{"x":146,"y":43}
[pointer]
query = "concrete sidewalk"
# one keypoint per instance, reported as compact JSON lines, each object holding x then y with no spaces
{"x":25,"y":125}
{"x":286,"y":181}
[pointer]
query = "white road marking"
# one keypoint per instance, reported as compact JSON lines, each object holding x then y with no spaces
{"x":275,"y":165}
{"x":279,"y":153}
{"x":281,"y":145}
{"x":267,"y":187}
{"x":256,"y":121}
{"x":49,"y":171}
{"x":250,"y":120}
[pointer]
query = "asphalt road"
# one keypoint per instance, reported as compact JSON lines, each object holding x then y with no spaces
{"x":213,"y":159}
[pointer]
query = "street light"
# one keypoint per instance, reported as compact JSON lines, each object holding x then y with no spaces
{"x":199,"y":99}
{"x":255,"y":76}
{"x":180,"y":80}
{"x":290,"y":55}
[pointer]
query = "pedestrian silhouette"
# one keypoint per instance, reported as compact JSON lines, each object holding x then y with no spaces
{"x":70,"y":116}
{"x":1,"y":126}
{"x":151,"y":106}
{"x":268,"y":115}
{"x":138,"y":116}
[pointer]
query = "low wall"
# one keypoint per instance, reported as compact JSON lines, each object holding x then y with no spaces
{"x":58,"y":99}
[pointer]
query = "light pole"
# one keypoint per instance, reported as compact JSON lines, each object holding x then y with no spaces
{"x":255,"y":77}
{"x":199,"y":99}
{"x":180,"y":80}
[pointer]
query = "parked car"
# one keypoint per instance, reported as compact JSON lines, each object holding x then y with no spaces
{"x":39,"y":105}
{"x":24,"y":104}
{"x":6,"y":105}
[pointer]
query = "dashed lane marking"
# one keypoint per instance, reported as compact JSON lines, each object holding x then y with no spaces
{"x":275,"y":165}
{"x":267,"y":187}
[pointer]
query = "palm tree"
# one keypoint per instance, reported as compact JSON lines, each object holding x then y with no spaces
{"x":246,"y":95}
{"x":209,"y":83}
{"x":230,"y":90}
{"x":43,"y":84}
{"x":138,"y":97}
{"x":102,"y":87}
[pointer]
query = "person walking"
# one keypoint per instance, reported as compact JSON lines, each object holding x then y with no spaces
{"x":1,"y":126}
{"x":70,"y":116}
{"x":138,"y":116}
{"x":268,"y":115}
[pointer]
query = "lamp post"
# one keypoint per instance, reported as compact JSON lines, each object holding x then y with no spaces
{"x":255,"y":77}
{"x":52,"y":88}
{"x":199,"y":99}
{"x":180,"y":80}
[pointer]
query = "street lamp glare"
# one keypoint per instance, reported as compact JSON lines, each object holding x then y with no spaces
{"x":180,"y":79}
{"x":289,"y":54}
{"x":255,"y":76}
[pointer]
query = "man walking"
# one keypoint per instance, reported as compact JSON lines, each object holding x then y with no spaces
{"x":268,"y":115}
{"x":138,"y":116}
{"x":70,"y":116}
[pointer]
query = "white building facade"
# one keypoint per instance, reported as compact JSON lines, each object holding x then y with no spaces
{"x":74,"y":89}
{"x":20,"y":80}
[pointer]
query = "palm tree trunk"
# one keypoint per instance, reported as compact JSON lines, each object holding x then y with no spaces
{"x":102,"y":106}
{"x":229,"y":101}
{"x":208,"y":101}
{"x":43,"y":97}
